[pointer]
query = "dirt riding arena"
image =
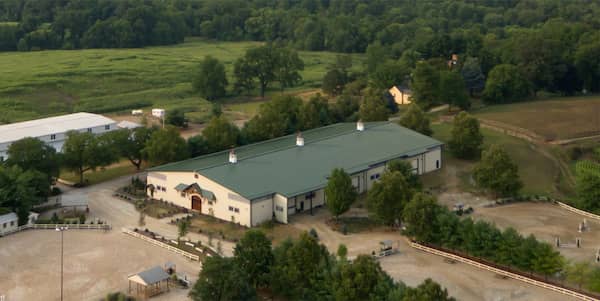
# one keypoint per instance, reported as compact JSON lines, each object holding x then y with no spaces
{"x":95,"y":263}
{"x":546,"y":221}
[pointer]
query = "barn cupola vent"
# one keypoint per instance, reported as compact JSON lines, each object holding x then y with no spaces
{"x":360,"y":126}
{"x":232,"y":156}
{"x":299,"y":139}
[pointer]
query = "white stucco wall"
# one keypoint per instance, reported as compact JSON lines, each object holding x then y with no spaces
{"x":262,"y":210}
{"x":227,"y":203}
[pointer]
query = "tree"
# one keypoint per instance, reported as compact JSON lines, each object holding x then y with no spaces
{"x":425,"y":84}
{"x":587,"y":60}
{"x":466,"y":139}
{"x":387,"y":197}
{"x":373,"y":108}
{"x":84,"y":151}
{"x":472,"y":75}
{"x":253,"y":255}
{"x":359,"y":280}
{"x":334,"y":82}
{"x":20,"y":190}
{"x":210,"y":81}
{"x":452,"y":90}
{"x":220,"y":134}
{"x":578,"y":273}
{"x":419,"y":215}
{"x":275,"y":118}
{"x":388,"y":74}
{"x":314,"y":113}
{"x":546,"y":260}
{"x":428,"y":291}
{"x":130,"y":143}
{"x":415,"y":119}
{"x":267,"y":64}
{"x":407,"y":170}
{"x":345,"y":109}
{"x":339,"y":192}
{"x":288,"y":68}
{"x":33,"y":154}
{"x":176,"y":117}
{"x":183,"y":227}
{"x":588,"y":184}
{"x":222,"y":280}
{"x":164,"y":146}
{"x":342,"y":252}
{"x":506,"y":83}
{"x":497,"y":172}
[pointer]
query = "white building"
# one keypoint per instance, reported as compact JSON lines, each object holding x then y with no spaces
{"x":277,"y":178}
{"x":9,"y":222}
{"x":53,"y":130}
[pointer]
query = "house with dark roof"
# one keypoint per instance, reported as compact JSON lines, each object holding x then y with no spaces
{"x":277,"y":178}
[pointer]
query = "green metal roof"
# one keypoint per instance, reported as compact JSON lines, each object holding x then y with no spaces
{"x":181,"y":187}
{"x":279,"y":166}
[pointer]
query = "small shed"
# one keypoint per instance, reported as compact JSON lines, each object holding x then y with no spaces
{"x":159,"y":113}
{"x":149,"y":283}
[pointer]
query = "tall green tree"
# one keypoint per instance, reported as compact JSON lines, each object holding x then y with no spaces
{"x":587,"y":62}
{"x":373,"y":108}
{"x":166,"y":145}
{"x":130,"y":143}
{"x":407,"y":170}
{"x":210,"y":80}
{"x":389,"y":74}
{"x":275,"y":118}
{"x":315,"y":113}
{"x":452,"y":90}
{"x":497,"y":172}
{"x":288,"y":68}
{"x":253,"y":255}
{"x":419,"y":215}
{"x":588,"y":185}
{"x":362,"y":279}
{"x":220,"y":134}
{"x":428,"y":290}
{"x":176,"y":117}
{"x":33,"y":154}
{"x":222,"y":280}
{"x":388,"y":196}
{"x":466,"y":139}
{"x":84,"y":151}
{"x":20,"y":190}
{"x":473,"y":76}
{"x":425,"y":84}
{"x":339,"y":192}
{"x":415,"y":119}
{"x":506,"y":83}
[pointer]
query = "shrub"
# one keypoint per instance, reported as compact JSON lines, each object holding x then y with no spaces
{"x":313,"y":233}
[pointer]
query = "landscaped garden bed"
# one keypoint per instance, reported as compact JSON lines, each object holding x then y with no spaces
{"x":196,"y":248}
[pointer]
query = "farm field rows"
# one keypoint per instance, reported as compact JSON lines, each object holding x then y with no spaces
{"x":35,"y":84}
{"x":555,"y":118}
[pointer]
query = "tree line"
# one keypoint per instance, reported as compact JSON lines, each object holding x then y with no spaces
{"x":512,"y":49}
{"x":302,"y":269}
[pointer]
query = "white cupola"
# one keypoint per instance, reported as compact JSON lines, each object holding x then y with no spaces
{"x":232,"y":157}
{"x":299,"y":139}
{"x":360,"y":126}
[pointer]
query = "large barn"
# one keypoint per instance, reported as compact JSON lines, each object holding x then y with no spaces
{"x":53,"y":130}
{"x":283,"y":176}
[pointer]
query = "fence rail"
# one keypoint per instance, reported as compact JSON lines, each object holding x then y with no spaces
{"x":578,"y":211}
{"x":161,"y":244}
{"x":502,"y":272}
{"x":105,"y":227}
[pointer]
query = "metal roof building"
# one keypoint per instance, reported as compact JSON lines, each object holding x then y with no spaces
{"x":290,"y":174}
{"x":52,"y":130}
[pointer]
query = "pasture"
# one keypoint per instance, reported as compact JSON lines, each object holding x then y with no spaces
{"x":35,"y":84}
{"x":537,"y":168}
{"x":555,"y":118}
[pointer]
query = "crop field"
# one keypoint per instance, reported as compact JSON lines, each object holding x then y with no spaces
{"x":555,"y":118}
{"x":34,"y":84}
{"x":536,"y":169}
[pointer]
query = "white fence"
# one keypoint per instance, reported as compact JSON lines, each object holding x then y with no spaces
{"x":161,"y":244}
{"x":105,"y":227}
{"x":578,"y":211}
{"x":503,"y":272}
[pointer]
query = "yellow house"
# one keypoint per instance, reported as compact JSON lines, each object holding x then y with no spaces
{"x":401,"y":95}
{"x":277,"y":178}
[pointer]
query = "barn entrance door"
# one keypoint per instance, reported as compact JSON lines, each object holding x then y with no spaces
{"x":196,"y":203}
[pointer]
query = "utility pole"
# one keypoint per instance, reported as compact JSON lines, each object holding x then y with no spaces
{"x":61,"y":229}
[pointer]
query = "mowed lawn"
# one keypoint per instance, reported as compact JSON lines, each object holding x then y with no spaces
{"x":537,"y":171}
{"x":34,"y":84}
{"x":555,"y":118}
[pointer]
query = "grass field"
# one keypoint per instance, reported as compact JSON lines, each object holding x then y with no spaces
{"x":102,"y":174}
{"x":555,"y":118}
{"x":538,"y":172}
{"x":34,"y":84}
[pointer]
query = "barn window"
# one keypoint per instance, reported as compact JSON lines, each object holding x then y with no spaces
{"x":107,"y":127}
{"x":89,"y":130}
{"x":53,"y":137}
{"x":437,"y":163}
